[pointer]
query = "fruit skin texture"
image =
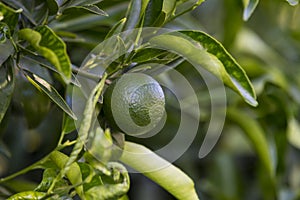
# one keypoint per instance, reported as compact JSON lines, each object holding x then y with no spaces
{"x":134,"y":103}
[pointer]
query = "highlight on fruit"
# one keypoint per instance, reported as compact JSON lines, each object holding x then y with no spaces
{"x":134,"y":104}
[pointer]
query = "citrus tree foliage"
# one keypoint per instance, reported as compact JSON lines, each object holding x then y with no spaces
{"x":42,"y":45}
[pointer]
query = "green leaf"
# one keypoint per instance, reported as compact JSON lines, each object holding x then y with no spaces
{"x":6,"y":49}
{"x":114,"y":186}
{"x":133,"y":15}
{"x":168,"y":8}
{"x":52,"y":7}
{"x":147,"y":54}
{"x":82,"y":2}
{"x":84,"y":128}
{"x":159,"y":170}
{"x":36,"y":12}
{"x":42,"y":62}
{"x":68,"y":125}
{"x":184,"y":6}
{"x":153,"y":13}
{"x":201,"y":49}
{"x":48,"y":176}
{"x":9,"y":16}
{"x":88,"y":173}
{"x":116,"y":29}
{"x":7,"y":84}
{"x":158,"y":12}
{"x":28,"y":195}
{"x":87,"y":9}
{"x":100,"y":144}
{"x":49,"y":45}
{"x":74,"y":174}
{"x":255,"y":134}
{"x":249,"y":7}
{"x":103,"y":147}
{"x":43,"y":86}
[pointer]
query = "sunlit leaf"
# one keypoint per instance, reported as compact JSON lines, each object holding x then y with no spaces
{"x":117,"y":186}
{"x":28,"y":195}
{"x":249,"y":7}
{"x":49,"y":45}
{"x":7,"y":84}
{"x":211,"y":55}
{"x":74,"y":174}
{"x":48,"y":176}
{"x":49,"y":90}
{"x":159,"y":170}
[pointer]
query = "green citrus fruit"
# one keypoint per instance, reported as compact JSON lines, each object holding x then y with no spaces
{"x":134,"y":103}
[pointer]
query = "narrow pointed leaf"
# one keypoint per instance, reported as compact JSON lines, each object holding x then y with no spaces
{"x":82,"y":2}
{"x":49,"y":90}
{"x":201,"y":49}
{"x":249,"y":7}
{"x":7,"y":83}
{"x":88,"y":9}
{"x":49,"y":45}
{"x":133,"y":15}
{"x":169,"y":7}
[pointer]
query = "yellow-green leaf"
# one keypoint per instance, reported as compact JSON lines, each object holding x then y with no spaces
{"x":201,"y":49}
{"x":159,"y":170}
{"x":49,"y":45}
{"x":7,"y":84}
